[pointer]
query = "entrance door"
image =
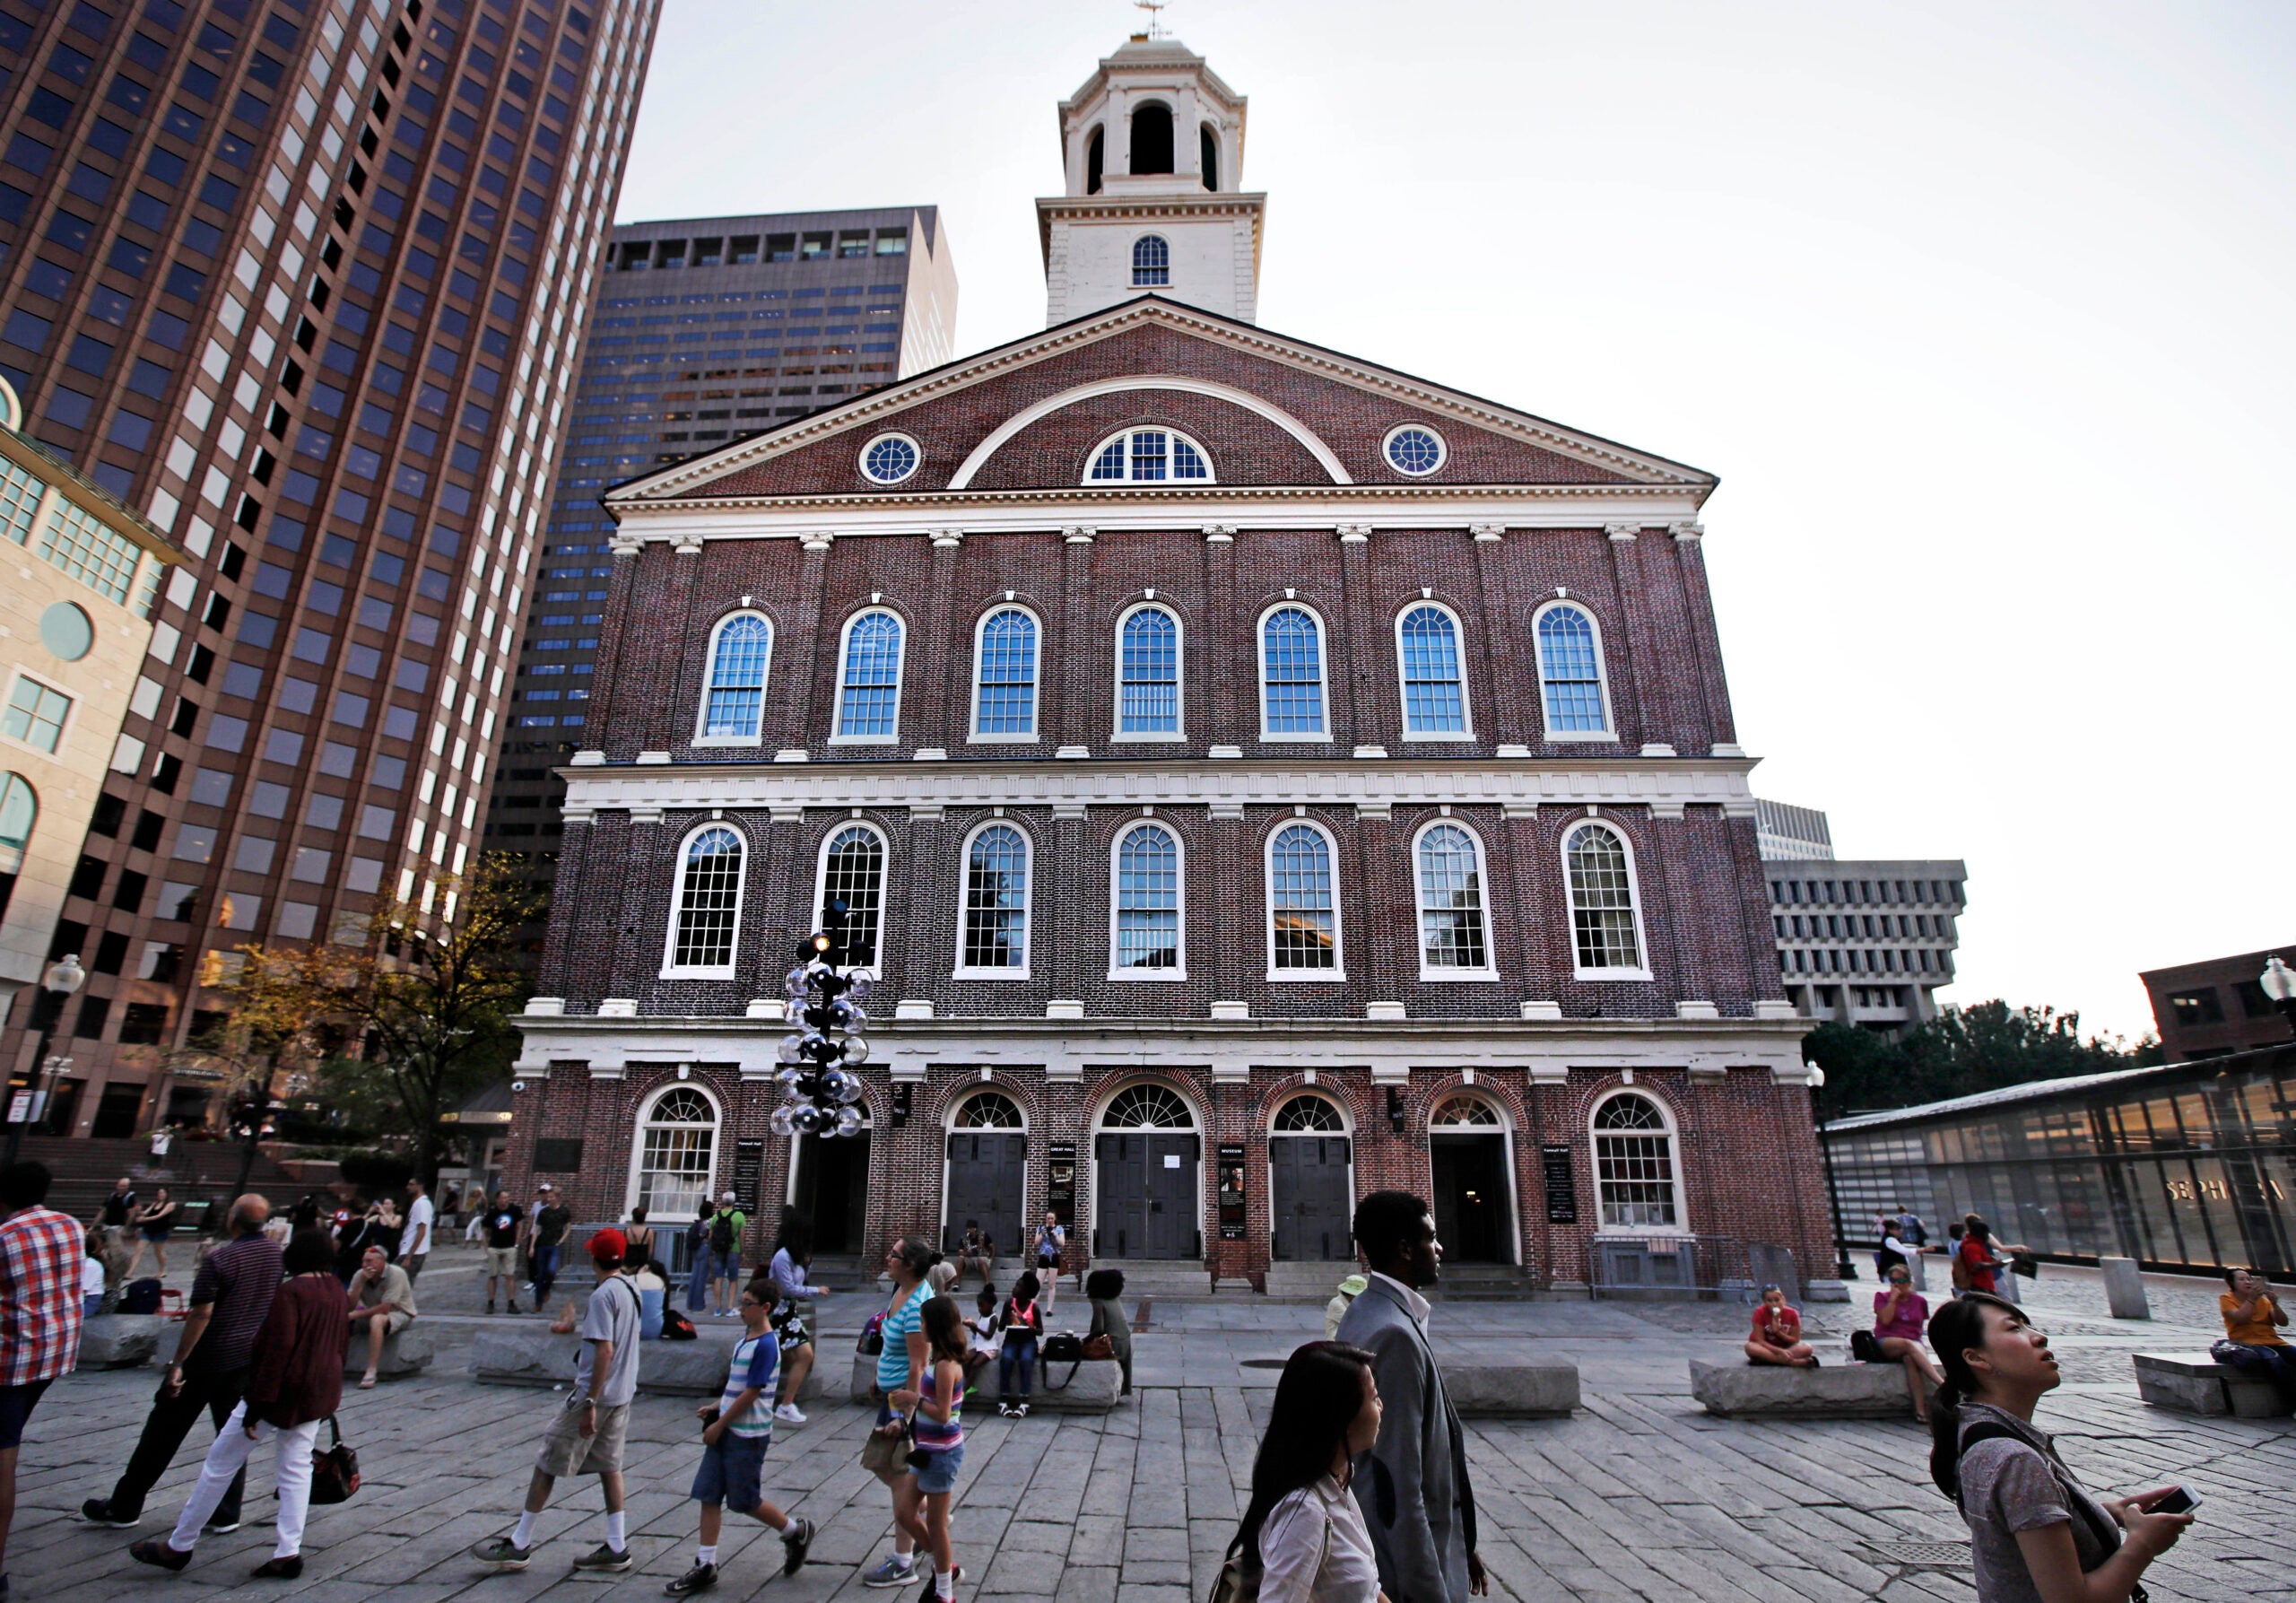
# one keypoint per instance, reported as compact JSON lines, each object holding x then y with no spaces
{"x":986,"y":1175}
{"x":116,"y":1111}
{"x":1473,"y":1200}
{"x":833,"y":1189}
{"x":1145,"y":1185}
{"x":1312,"y":1198}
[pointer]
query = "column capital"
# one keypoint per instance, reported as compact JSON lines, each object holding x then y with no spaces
{"x":1355,"y":534}
{"x":1077,"y":534}
{"x":1220,"y":534}
{"x":1487,"y":531}
{"x":947,"y":539}
{"x":1621,"y":533}
{"x":1687,"y":531}
{"x":816,"y":539}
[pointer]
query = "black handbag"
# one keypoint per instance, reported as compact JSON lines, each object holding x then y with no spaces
{"x":1068,"y":1349}
{"x":335,"y":1472}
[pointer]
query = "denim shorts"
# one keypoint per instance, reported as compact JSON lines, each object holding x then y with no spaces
{"x":733,"y":1472}
{"x":939,"y":1472}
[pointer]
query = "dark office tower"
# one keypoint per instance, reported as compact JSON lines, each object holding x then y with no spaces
{"x":303,"y":281}
{"x":706,"y":330}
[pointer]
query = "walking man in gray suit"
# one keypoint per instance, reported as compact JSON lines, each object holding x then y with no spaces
{"x":1413,"y":1490}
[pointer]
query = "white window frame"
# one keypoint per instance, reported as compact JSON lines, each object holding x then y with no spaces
{"x":672,"y":970}
{"x":638,"y":1136}
{"x":1132,"y":252}
{"x":1179,"y":859}
{"x":1210,"y":467}
{"x":1681,"y":1226}
{"x":1028,"y":903}
{"x":1337,"y":973}
{"x":709,"y":671}
{"x":1633,"y":891}
{"x":1403,"y":684}
{"x":861,"y":460}
{"x":63,"y":729}
{"x":901,"y":678}
{"x":1442,"y":450}
{"x":1179,"y":677}
{"x":1035,"y":700}
{"x":1488,"y":972}
{"x":1323,"y":673}
{"x":1608,"y":734}
{"x":820,"y":883}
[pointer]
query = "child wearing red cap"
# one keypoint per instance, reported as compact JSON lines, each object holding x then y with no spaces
{"x":586,"y":1436}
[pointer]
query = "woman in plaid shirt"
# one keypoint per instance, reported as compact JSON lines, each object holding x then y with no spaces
{"x":39,"y":1314}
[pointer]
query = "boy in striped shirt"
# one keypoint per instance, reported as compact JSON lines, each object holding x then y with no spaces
{"x":736,"y":1433}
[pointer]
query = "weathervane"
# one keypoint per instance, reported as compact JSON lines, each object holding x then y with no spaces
{"x":1155,"y":22}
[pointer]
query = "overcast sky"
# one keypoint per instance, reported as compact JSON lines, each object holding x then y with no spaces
{"x":1982,"y":313}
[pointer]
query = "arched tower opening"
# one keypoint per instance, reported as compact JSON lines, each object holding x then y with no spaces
{"x":1151,"y":139}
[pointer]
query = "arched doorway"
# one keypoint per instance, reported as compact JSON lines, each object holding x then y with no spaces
{"x":1145,"y":1188}
{"x":985,"y":1187}
{"x":1475,"y":1202}
{"x":829,"y":1183}
{"x":1311,"y":1189}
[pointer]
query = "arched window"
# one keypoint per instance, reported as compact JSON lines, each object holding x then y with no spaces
{"x":1434,"y":695}
{"x":1147,"y":1108}
{"x":19,"y":812}
{"x":708,"y":902}
{"x":1461,"y":1111}
{"x":869,"y":695}
{"x":853,"y":871}
{"x":1634,"y":1166}
{"x":1005,"y":676}
{"x":1207,"y":155}
{"x":1452,"y":935}
{"x":995,"y":913}
{"x":1152,"y":138}
{"x":1095,"y":159}
{"x":1149,"y":456}
{"x":1605,"y":926}
{"x":1291,"y":675}
{"x":734,"y":706}
{"x":1307,"y":1115}
{"x":1148,"y":676}
{"x":1570,"y":673}
{"x":1303,"y":910}
{"x":987,"y":1111}
{"x":1147,"y":906}
{"x":1152,"y":262}
{"x":677,"y":1151}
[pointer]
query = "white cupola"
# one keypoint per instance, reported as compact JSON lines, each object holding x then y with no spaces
{"x":1152,"y":147}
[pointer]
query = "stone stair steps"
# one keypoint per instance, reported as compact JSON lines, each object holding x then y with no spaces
{"x":195,"y":1172}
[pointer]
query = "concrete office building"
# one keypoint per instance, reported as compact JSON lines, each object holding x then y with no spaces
{"x":706,"y":330}
{"x":1868,"y":941}
{"x":305,"y":280}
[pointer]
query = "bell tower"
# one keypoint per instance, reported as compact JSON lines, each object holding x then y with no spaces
{"x":1152,"y":148}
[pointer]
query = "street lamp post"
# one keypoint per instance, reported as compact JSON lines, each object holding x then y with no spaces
{"x":826,"y":1043}
{"x":1842,"y":1267}
{"x":2279,"y":982}
{"x":64,"y":977}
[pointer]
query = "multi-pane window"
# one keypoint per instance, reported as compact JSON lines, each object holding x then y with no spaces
{"x":19,"y":494}
{"x":1147,"y":1108}
{"x":1152,"y":262}
{"x":709,"y":900}
{"x":997,"y":900}
{"x":1602,"y":899}
{"x":90,"y":553}
{"x":677,"y":1149}
{"x":869,"y":701}
{"x":1307,"y":1115}
{"x":1634,"y":1164}
{"x":735,"y":704}
{"x":36,"y":715}
{"x":1571,"y":670}
{"x":1303,"y":917}
{"x":1450,"y":900}
{"x":988,"y":1110}
{"x":1149,"y":457}
{"x":853,"y":871}
{"x":18,"y":811}
{"x":1291,"y":675}
{"x":1148,"y":673}
{"x":1005,"y":703}
{"x":1147,"y":901}
{"x":1434,"y":699}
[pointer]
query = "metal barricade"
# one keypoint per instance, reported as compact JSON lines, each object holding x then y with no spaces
{"x":1691,"y":1268}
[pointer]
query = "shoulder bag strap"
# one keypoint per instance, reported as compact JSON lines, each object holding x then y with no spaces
{"x":2108,"y":1534}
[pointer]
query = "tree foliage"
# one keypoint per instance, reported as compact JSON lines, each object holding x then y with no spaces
{"x":1961,"y":1051}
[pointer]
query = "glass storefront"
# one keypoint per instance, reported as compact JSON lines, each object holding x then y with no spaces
{"x":2189,"y":1165}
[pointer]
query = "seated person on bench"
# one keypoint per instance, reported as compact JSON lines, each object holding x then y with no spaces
{"x":1777,"y":1336}
{"x":2252,"y":1339}
{"x":382,"y":1299}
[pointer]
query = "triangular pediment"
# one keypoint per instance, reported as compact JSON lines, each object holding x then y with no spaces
{"x":1334,"y":408}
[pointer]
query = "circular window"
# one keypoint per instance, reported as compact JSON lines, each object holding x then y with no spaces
{"x":65,"y":630}
{"x":890,"y":459}
{"x":1415,"y":450}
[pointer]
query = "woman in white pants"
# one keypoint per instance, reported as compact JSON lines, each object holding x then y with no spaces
{"x":298,"y":1384}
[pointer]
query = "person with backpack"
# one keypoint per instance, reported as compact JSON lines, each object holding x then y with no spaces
{"x":1303,"y":1538}
{"x":2036,"y":1534}
{"x":1023,"y":1323}
{"x":697,"y":1243}
{"x":725,"y":1255}
{"x":934,"y":1406}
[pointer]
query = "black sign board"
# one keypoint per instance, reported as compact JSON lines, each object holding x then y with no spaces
{"x":558,"y":1154}
{"x":1561,"y":1190}
{"x":1060,"y":1182}
{"x":1231,"y":1192}
{"x":748,"y":1172}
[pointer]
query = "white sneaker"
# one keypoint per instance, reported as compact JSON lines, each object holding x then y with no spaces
{"x":788,"y":1415}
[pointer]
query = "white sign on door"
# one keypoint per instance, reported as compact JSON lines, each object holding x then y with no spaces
{"x":1171,"y":1160}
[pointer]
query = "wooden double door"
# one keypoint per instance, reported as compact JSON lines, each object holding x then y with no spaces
{"x":1145,"y":1186}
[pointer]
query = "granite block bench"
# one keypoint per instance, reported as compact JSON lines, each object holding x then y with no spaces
{"x":1512,"y":1391}
{"x":2195,"y":1383}
{"x":1096,"y":1388}
{"x":1771,"y":1391}
{"x":537,"y":1356}
{"x":122,"y":1340}
{"x":407,"y":1352}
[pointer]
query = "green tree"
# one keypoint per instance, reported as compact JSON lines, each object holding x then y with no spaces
{"x":1961,"y":1051}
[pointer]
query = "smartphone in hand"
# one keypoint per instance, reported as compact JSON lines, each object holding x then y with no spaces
{"x":2180,"y":1500}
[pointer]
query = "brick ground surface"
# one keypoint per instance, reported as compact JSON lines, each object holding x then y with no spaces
{"x":1639,"y":1496}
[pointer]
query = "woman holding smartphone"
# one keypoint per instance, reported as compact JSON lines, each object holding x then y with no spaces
{"x":2036,"y":1534}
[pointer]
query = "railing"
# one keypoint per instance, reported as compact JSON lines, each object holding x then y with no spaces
{"x":1709,"y":1267}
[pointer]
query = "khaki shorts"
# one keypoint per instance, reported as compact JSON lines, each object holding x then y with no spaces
{"x":502,"y":1261}
{"x":399,"y":1321}
{"x":565,"y":1450}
